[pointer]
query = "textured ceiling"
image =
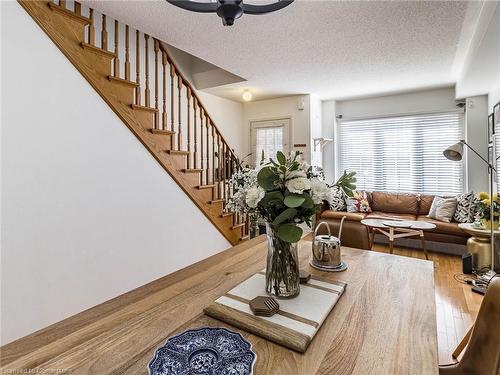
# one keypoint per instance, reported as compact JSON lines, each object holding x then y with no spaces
{"x":329,"y":48}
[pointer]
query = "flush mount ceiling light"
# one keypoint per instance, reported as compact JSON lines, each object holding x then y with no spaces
{"x":247,"y":96}
{"x":229,"y":10}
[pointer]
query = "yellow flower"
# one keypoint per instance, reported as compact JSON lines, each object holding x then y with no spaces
{"x":483,"y":195}
{"x":487,"y":202}
{"x":495,"y":197}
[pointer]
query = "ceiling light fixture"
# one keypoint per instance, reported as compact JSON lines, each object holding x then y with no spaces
{"x":229,"y":10}
{"x":247,"y":96}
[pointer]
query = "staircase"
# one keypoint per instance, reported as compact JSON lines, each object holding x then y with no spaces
{"x":137,"y":78}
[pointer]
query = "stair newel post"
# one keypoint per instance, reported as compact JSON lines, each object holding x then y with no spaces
{"x":91,"y":27}
{"x":201,"y":144}
{"x":116,"y":62}
{"x":172,"y":106}
{"x":157,"y":113}
{"x":104,"y":34}
{"x":138,"y":67}
{"x":78,"y":8}
{"x":207,"y":172}
{"x":188,"y":98}
{"x":127,"y":57}
{"x":147,"y":92}
{"x":179,"y":110}
{"x":164,"y":73}
{"x":195,"y":154}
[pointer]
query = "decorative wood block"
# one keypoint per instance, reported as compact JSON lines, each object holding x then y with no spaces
{"x":264,"y":306}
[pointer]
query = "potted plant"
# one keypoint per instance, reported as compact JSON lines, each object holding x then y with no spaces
{"x":281,"y":193}
{"x":483,"y":210}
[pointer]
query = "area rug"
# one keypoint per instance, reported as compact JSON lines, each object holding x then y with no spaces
{"x":204,"y":351}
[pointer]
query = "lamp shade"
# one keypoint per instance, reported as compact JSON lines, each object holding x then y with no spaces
{"x":454,"y":152}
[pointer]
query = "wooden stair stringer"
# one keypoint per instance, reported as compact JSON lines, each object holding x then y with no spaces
{"x":68,"y":34}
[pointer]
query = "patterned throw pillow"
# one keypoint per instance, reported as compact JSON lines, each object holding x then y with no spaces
{"x":358,"y":203}
{"x":442,"y":209}
{"x":466,"y":208}
{"x":338,"y":199}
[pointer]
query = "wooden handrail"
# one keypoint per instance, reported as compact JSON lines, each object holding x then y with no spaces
{"x":186,"y":83}
{"x":181,"y":115}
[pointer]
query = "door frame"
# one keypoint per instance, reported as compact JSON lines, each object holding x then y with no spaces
{"x":288,"y":139}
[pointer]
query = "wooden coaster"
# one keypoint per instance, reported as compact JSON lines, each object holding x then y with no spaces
{"x":264,"y":306}
{"x":304,"y":276}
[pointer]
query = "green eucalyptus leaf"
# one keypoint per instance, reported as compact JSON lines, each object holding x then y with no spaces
{"x":285,"y":215}
{"x":289,"y":233}
{"x":281,"y":158}
{"x":308,"y":202}
{"x":266,"y":178}
{"x":294,"y":200}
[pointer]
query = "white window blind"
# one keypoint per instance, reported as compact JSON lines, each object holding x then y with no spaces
{"x":403,"y":154}
{"x":269,"y":140}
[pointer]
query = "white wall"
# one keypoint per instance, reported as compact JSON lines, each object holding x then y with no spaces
{"x":493,"y":97}
{"x":87,"y":213}
{"x":278,"y":108}
{"x":476,"y":122}
{"x":316,"y":130}
{"x":329,"y":126}
{"x":413,"y":102}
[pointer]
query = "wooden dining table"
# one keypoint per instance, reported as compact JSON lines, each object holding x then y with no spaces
{"x":384,"y":323}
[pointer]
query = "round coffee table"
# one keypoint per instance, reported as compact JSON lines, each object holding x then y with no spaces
{"x":394,"y":228}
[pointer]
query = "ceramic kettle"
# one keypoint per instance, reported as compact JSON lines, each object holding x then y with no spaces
{"x":326,"y":249}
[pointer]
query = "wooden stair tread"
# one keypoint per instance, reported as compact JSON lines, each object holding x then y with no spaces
{"x":217,"y":201}
{"x":209,"y":186}
{"x":124,"y":81}
{"x":244,"y":238}
{"x":185,"y":170}
{"x":225,"y":214}
{"x":143,"y":108}
{"x":178,"y":152}
{"x":97,"y":50}
{"x":238,"y":226}
{"x":162,"y":132}
{"x":82,"y":19}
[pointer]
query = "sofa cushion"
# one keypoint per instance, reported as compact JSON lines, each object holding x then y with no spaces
{"x":390,"y":215}
{"x":443,"y":227}
{"x":337,"y":202}
{"x":395,"y":202}
{"x":353,"y":216}
{"x":425,"y":203}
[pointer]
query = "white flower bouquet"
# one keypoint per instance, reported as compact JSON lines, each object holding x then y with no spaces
{"x":285,"y":193}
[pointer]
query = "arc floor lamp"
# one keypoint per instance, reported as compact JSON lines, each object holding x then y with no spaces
{"x":455,"y":153}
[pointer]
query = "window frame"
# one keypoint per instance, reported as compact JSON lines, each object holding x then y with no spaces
{"x":271,"y":123}
{"x":338,"y":141}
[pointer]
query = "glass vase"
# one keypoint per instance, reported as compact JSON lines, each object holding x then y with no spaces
{"x":282,"y":272}
{"x":253,"y":225}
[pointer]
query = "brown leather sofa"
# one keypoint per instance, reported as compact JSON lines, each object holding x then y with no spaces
{"x":390,"y":205}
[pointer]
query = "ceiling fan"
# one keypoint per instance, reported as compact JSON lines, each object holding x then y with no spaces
{"x":229,"y":10}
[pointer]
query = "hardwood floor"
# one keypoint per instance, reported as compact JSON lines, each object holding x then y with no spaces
{"x":456,"y":305}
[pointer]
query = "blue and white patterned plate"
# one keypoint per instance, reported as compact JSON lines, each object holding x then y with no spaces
{"x":204,"y":351}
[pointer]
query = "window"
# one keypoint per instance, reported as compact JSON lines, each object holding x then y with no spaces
{"x":403,"y":154}
{"x":270,"y":137}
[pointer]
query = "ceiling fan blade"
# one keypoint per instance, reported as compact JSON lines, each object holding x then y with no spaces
{"x":195,"y":6}
{"x":268,"y":8}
